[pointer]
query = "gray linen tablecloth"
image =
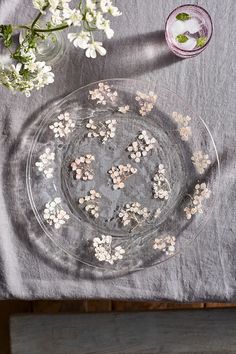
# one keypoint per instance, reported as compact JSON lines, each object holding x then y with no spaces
{"x":206,"y":271}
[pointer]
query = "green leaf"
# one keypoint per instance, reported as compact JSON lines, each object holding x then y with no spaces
{"x":182,"y":16}
{"x":201,"y":41}
{"x":6,"y":34}
{"x":181,"y":38}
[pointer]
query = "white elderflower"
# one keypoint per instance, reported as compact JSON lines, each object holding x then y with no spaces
{"x":104,"y":25}
{"x":165,"y":244}
{"x":200,"y":161}
{"x":146,"y":102}
{"x":91,"y":203}
{"x":63,"y":126}
{"x":104,"y":251}
{"x":72,"y":16}
{"x":26,"y":77}
{"x":140,"y":147}
{"x":94,"y":47}
{"x":54,"y":4}
{"x":103,"y":130}
{"x":82,"y":167}
{"x":120,"y":173}
{"x":80,"y":39}
{"x":201,"y":192}
{"x":133,"y":213}
{"x":123,"y":109}
{"x":57,"y":18}
{"x":103,"y":94}
{"x":91,"y":5}
{"x":184,"y":129}
{"x":106,"y":6}
{"x":54,"y":214}
{"x":161,"y":186}
{"x":45,"y":163}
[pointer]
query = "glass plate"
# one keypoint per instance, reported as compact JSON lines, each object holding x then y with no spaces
{"x":161,"y":188}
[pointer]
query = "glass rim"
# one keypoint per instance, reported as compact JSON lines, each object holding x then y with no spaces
{"x":208,"y":40}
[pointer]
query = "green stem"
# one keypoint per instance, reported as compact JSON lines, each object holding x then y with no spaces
{"x":36,"y":20}
{"x":38,"y":16}
{"x":51,"y":29}
{"x":21,"y":26}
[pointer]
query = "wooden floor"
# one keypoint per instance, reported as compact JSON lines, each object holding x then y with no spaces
{"x":7,"y":308}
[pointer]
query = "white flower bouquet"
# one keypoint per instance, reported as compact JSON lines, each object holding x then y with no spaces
{"x":26,"y":73}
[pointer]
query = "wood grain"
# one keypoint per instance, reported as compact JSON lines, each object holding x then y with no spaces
{"x":8,"y":308}
{"x":127,"y":333}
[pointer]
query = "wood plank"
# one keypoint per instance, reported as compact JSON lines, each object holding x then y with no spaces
{"x":182,"y":306}
{"x":58,"y":306}
{"x":99,"y":306}
{"x":219,"y":305}
{"x":152,"y":306}
{"x":181,"y":332}
{"x":123,"y":306}
{"x":7,"y":308}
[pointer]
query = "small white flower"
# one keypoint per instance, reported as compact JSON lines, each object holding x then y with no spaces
{"x":161,"y":186}
{"x":106,"y":6}
{"x":94,"y":47}
{"x":81,"y":166}
{"x":165,"y":244}
{"x":72,"y":16}
{"x":91,"y":203}
{"x":184,"y":129}
{"x":53,"y":213}
{"x":45,"y":163}
{"x":56,"y":18}
{"x":54,"y":4}
{"x":141,"y":146}
{"x":201,"y":161}
{"x":201,"y":192}
{"x":63,"y":126}
{"x":104,"y":130}
{"x":80,"y":39}
{"x":133,"y":213}
{"x":120,"y":173}
{"x":146,"y":102}
{"x":123,"y":109}
{"x":91,"y":5}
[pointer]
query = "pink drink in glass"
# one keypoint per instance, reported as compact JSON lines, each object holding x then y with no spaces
{"x":188,"y":30}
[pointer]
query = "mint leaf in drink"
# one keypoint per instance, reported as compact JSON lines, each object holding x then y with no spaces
{"x":201,"y":41}
{"x":182,"y":16}
{"x":181,"y":38}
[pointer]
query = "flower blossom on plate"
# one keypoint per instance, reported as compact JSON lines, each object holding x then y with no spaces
{"x":45,"y":163}
{"x":165,"y":244}
{"x":63,"y":126}
{"x":184,"y":129}
{"x":54,"y":214}
{"x":104,"y":251}
{"x":201,"y":192}
{"x":200,"y":161}
{"x":123,"y":109}
{"x":91,"y":203}
{"x":161,"y":186}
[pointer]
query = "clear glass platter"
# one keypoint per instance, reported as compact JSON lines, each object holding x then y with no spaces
{"x":120,"y":175}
